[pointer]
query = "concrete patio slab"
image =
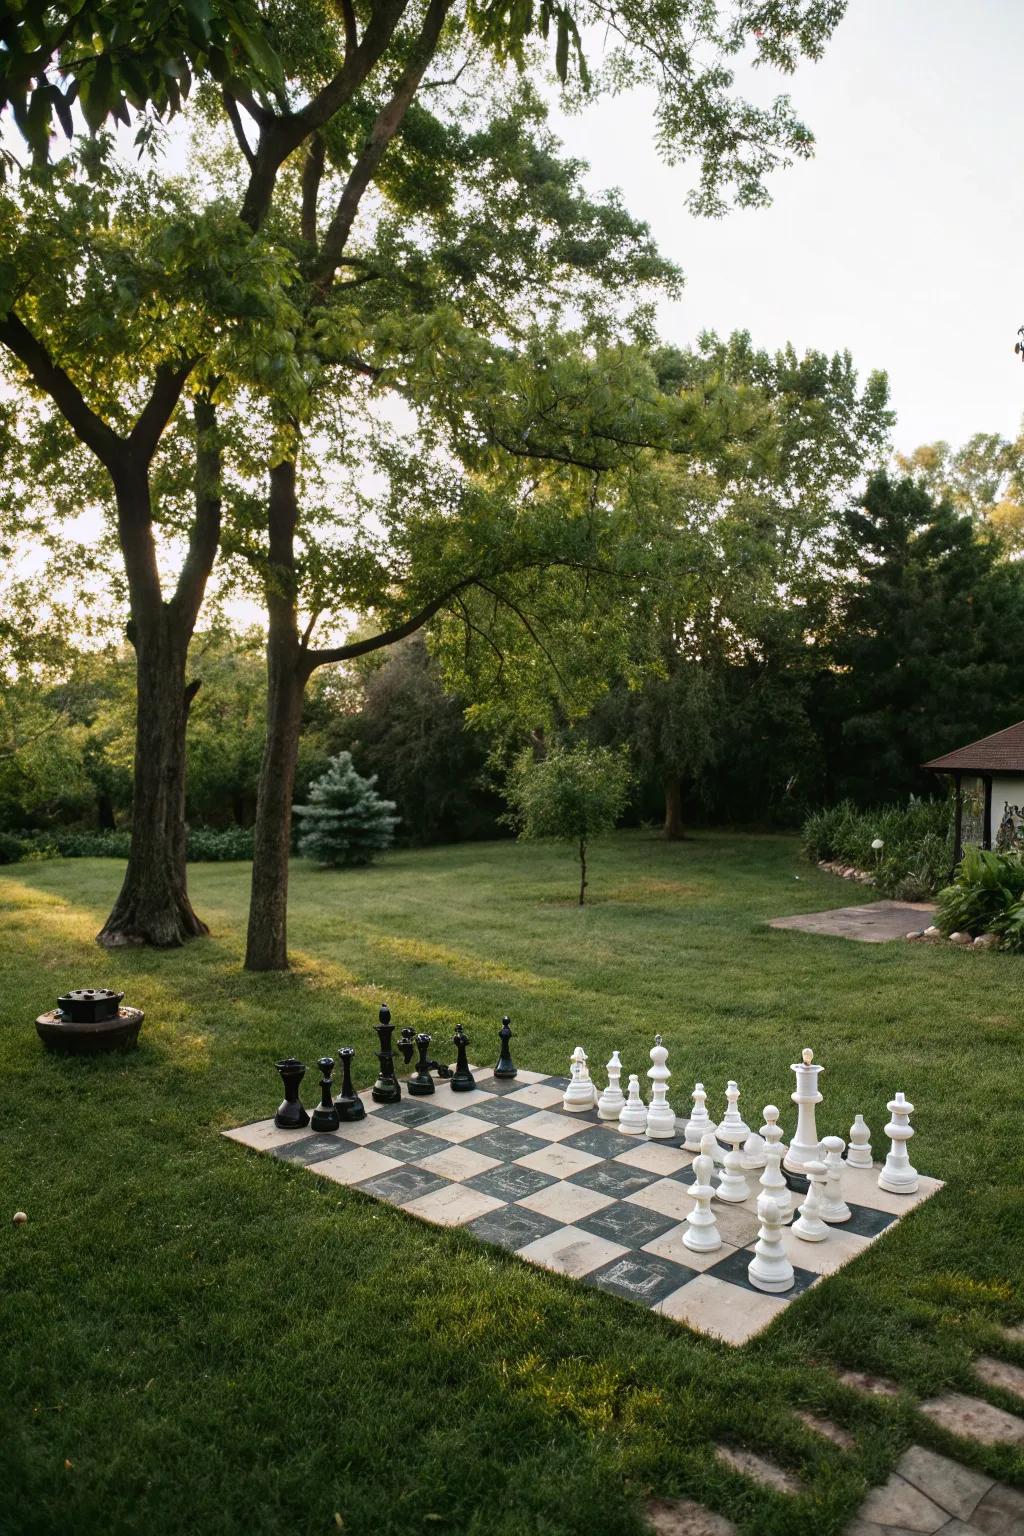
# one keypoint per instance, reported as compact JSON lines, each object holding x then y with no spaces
{"x":877,"y":922}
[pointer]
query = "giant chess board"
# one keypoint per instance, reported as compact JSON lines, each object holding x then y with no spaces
{"x":572,"y":1194}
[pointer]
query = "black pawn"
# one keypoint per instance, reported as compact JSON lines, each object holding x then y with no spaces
{"x":462,"y":1078}
{"x":506,"y":1067}
{"x":421,"y":1081}
{"x":387,"y":1089}
{"x":325,"y":1116}
{"x":348,"y":1103}
{"x":290,"y":1115}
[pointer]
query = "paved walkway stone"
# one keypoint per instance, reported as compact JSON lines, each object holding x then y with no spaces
{"x":973,"y":1419}
{"x":1001,"y":1374}
{"x":875,"y":923}
{"x":758,"y":1469}
{"x":1001,"y":1512}
{"x":682,"y":1517}
{"x":959,"y":1490}
{"x":898,"y":1503}
{"x":831,"y":1431}
{"x":1015,"y":1334}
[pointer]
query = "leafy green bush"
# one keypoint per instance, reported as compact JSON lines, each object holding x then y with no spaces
{"x":987,"y":896}
{"x":11,"y":848}
{"x":205,"y":844}
{"x":216,"y":845}
{"x":571,"y":795}
{"x":917,"y":843}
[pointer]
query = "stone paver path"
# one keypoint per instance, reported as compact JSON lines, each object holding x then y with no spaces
{"x":1001,"y":1374}
{"x":935,"y":1496}
{"x":682,"y":1517}
{"x":758,"y":1469}
{"x":875,"y":923}
{"x":974,"y":1419}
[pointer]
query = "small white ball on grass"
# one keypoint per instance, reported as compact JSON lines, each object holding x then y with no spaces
{"x":19,"y":1218}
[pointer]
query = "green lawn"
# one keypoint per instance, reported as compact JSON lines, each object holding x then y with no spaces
{"x":201,"y":1339}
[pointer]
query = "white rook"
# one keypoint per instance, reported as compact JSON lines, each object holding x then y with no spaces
{"x":805,"y":1147}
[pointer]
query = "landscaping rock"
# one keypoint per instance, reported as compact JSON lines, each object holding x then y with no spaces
{"x":987,"y":941}
{"x":933,"y":932}
{"x":960,"y":938}
{"x":683,"y":1517}
{"x":758,"y":1469}
{"x":973,"y":1419}
{"x":1001,"y":1374}
{"x":918,"y":933}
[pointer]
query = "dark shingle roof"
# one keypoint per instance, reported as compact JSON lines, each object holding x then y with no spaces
{"x":1001,"y":753}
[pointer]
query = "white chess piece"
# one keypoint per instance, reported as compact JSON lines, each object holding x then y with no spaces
{"x":633,"y":1114}
{"x":771,"y":1131}
{"x":897,"y":1175}
{"x":732,"y":1186}
{"x":805,"y":1147}
{"x":753,"y":1152}
{"x":772,"y":1182}
{"x":580,"y":1093}
{"x":733,"y":1120}
{"x":700,"y":1123}
{"x":770,"y":1269}
{"x":612,"y":1099}
{"x":702,"y":1234}
{"x":661,"y":1120}
{"x":858,"y":1153}
{"x":834,"y":1208}
{"x":809,"y":1224}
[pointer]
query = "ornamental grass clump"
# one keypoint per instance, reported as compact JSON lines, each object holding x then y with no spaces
{"x":915,"y":855}
{"x":346,"y":822}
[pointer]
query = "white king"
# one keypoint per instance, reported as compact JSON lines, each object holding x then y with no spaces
{"x":805,"y":1147}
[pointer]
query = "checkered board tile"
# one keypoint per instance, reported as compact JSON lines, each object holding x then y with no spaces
{"x":570,"y":1193}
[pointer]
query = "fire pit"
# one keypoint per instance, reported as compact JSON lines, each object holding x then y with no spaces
{"x":89,"y":1020}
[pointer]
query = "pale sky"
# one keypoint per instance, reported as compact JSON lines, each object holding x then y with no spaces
{"x":901,"y":240}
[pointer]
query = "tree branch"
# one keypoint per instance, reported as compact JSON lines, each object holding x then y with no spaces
{"x":355,"y":648}
{"x":348,"y":16}
{"x":312,"y":174}
{"x":50,"y":377}
{"x":235,"y":119}
{"x":205,"y":535}
{"x":159,"y":408}
{"x":388,"y":122}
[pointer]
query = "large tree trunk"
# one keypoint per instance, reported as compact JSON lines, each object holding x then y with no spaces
{"x":674,"y":829}
{"x":153,"y":906}
{"x":267,"y":942}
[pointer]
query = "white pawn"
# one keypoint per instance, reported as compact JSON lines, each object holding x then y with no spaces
{"x":661,"y":1120}
{"x":612,"y":1099}
{"x":633,"y":1114}
{"x":702,"y":1234}
{"x":700,"y":1123}
{"x":833,"y":1207}
{"x":772,"y":1182}
{"x":770,"y":1269}
{"x":809,"y":1224}
{"x":580,"y":1093}
{"x":897,"y":1175}
{"x":858,"y":1153}
{"x":733,"y":1120}
{"x":771,"y":1131}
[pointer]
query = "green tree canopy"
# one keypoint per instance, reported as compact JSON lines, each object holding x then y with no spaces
{"x":570,"y":795}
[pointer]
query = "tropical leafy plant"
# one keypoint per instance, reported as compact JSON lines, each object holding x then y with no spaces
{"x":987,"y":896}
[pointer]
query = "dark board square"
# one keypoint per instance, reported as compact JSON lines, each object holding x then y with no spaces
{"x":505,"y":1142}
{"x":313,"y":1148}
{"x":556,"y":1082}
{"x":687,"y":1176}
{"x":734,"y":1269}
{"x":409,"y":1112}
{"x":402,"y":1184}
{"x":498,"y":1112}
{"x":641,"y":1277}
{"x":512,"y":1227}
{"x":408,"y":1146}
{"x":602,"y":1140}
{"x":614,"y":1179}
{"x":866,"y":1221}
{"x":500,"y":1085}
{"x":510,"y":1182}
{"x":631,"y":1225}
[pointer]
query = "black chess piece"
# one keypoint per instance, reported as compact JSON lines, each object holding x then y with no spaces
{"x":462,"y":1078}
{"x":290,"y":1115}
{"x":325,"y":1116}
{"x":421,"y":1081}
{"x":387,"y":1089}
{"x":407,"y":1044}
{"x":505,"y":1067}
{"x":348,"y":1103}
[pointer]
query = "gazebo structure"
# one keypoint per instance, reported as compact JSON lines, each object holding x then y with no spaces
{"x":989,"y":779}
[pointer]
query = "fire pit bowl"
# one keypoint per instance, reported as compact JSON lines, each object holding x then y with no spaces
{"x":88,"y":1021}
